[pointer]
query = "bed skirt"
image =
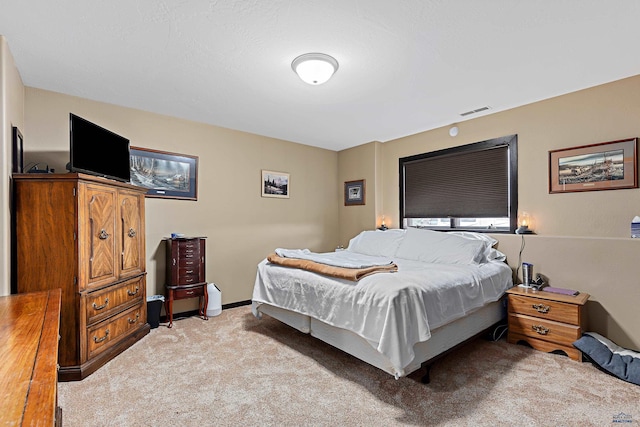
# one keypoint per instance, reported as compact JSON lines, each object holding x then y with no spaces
{"x":442,"y":339}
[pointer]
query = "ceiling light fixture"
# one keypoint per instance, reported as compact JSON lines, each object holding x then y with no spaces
{"x":314,"y":68}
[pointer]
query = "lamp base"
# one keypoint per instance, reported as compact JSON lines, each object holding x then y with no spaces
{"x":523,"y":230}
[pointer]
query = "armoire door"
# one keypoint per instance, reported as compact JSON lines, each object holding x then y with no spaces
{"x":132,"y":235}
{"x":98,"y":236}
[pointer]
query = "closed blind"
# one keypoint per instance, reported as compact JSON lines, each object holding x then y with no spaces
{"x":470,"y":184}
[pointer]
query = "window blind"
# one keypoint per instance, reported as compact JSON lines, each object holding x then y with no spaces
{"x":471,"y":181}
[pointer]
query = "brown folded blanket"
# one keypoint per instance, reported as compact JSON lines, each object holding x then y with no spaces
{"x":353,"y":274}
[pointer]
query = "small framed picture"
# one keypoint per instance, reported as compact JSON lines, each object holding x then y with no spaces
{"x":354,"y":192}
{"x":275,"y":184}
{"x":18,"y":149}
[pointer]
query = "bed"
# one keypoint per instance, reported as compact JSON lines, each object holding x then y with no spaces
{"x":448,"y":288}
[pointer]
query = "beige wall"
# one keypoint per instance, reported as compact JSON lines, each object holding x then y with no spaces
{"x":582,"y":239}
{"x":354,"y":164}
{"x":241,"y":226}
{"x":11,"y":114}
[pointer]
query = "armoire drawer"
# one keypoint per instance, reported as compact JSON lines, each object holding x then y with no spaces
{"x":105,"y":334}
{"x":108,"y":301}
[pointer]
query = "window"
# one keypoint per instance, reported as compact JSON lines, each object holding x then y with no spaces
{"x":471,"y":187}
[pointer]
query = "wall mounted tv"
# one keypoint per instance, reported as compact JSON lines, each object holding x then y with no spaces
{"x":98,"y":151}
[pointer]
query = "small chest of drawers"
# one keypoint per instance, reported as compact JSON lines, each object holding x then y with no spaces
{"x":546,"y":321}
{"x":186,"y":273}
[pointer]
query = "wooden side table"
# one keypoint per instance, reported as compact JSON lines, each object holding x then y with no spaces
{"x":186,"y":273}
{"x":546,"y":321}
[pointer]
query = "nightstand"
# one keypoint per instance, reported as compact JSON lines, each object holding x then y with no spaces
{"x":546,"y":321}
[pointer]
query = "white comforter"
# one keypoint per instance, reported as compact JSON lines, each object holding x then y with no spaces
{"x":392,"y":311}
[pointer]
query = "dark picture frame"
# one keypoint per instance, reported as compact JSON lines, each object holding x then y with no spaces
{"x":275,"y":184}
{"x":604,"y":166}
{"x":166,"y":175}
{"x":18,"y":151}
{"x":354,"y":192}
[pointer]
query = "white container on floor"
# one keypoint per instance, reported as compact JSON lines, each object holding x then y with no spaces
{"x":214,"y":306}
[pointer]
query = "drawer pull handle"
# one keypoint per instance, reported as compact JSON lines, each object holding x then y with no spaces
{"x":189,"y":271}
{"x":132,"y":321}
{"x":131,"y":233}
{"x":134,"y":292}
{"x":100,"y":307}
{"x":99,"y":340}
{"x":189,"y":292}
{"x":540,"y":329}
{"x":541,"y":308}
{"x":103,"y":234}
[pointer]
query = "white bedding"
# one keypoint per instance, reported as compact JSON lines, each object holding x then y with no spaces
{"x":392,"y":311}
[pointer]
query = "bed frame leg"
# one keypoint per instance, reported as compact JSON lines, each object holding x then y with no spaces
{"x":426,"y":378}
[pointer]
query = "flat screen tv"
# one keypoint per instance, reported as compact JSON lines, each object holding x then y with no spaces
{"x":98,"y":151}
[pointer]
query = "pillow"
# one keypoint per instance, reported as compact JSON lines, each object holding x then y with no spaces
{"x":615,"y":360}
{"x":490,"y":253}
{"x":377,"y":242}
{"x":440,"y":247}
{"x":477,"y":236}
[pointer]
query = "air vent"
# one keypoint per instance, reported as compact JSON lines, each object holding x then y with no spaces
{"x":477,"y":110}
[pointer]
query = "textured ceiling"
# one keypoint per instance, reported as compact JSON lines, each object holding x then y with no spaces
{"x":405,"y":66}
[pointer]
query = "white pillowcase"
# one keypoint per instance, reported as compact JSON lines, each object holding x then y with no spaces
{"x":377,"y":242}
{"x":490,"y":253}
{"x":441,"y":248}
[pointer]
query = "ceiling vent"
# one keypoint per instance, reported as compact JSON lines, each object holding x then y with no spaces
{"x":477,"y":110}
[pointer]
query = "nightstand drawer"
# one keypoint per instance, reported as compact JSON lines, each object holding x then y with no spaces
{"x":547,"y":330}
{"x":544,"y":309}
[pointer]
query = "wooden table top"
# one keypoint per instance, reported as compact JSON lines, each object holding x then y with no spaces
{"x":29,"y":328}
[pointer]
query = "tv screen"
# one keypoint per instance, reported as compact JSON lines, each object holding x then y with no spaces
{"x":98,"y":151}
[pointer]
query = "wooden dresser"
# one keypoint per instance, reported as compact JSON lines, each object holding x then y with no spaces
{"x":546,"y":321}
{"x":186,"y":273}
{"x":85,"y":235}
{"x":29,"y":327}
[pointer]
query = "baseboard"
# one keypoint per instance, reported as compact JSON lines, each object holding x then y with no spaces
{"x":237,"y":304}
{"x":195,"y":312}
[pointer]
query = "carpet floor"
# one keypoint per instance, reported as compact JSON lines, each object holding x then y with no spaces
{"x":236,"y":370}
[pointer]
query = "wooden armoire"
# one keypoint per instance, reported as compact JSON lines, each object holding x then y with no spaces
{"x":84,"y":235}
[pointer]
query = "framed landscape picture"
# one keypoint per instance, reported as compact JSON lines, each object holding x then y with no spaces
{"x":604,"y":166}
{"x":275,"y":184}
{"x":354,"y":192}
{"x":166,"y":175}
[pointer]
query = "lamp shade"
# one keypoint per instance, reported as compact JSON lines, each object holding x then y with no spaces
{"x":525,"y":223}
{"x":314,"y":68}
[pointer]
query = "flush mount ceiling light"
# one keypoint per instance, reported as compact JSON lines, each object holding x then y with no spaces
{"x":314,"y":68}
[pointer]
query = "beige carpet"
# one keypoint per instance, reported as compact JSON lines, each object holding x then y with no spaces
{"x":235,"y":370}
